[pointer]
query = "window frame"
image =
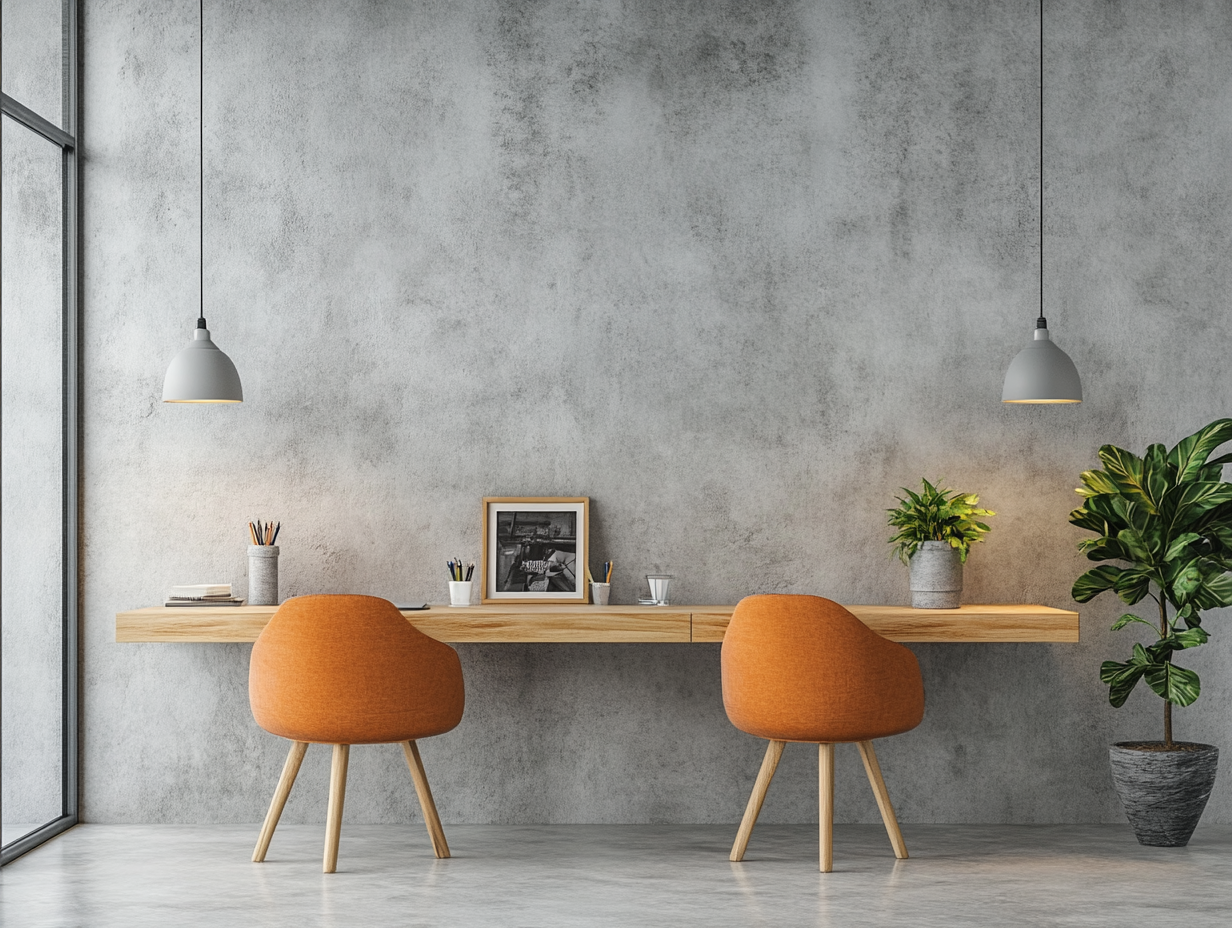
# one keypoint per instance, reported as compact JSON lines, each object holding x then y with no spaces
{"x":67,"y":139}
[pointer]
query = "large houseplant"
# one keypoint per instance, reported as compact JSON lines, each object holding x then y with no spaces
{"x":935,"y":534}
{"x":1167,"y":517}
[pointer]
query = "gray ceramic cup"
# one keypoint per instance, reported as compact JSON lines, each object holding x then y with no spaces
{"x":263,"y":575}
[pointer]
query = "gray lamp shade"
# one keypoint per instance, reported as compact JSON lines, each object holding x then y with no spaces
{"x":201,"y":373}
{"x":1042,"y":373}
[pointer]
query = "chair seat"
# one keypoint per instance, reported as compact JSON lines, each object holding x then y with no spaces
{"x":803,"y":668}
{"x":352,"y":670}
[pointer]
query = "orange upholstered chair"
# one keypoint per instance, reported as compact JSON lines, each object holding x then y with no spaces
{"x":346,"y":670}
{"x":803,"y":668}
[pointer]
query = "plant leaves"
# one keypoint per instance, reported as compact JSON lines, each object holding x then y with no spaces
{"x":1121,"y":680}
{"x":1190,"y":454}
{"x":1179,"y":544}
{"x":1132,"y":586}
{"x":1096,"y":483}
{"x":1128,"y":471}
{"x":1092,"y":522}
{"x":1179,"y":686}
{"x":1103,"y":549}
{"x":1129,"y":618}
{"x":1095,"y":581}
{"x":1135,"y":545}
{"x":1185,"y":504}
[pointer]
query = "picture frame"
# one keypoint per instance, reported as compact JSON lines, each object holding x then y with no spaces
{"x":535,"y":549}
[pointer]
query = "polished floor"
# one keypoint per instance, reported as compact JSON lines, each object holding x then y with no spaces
{"x":96,"y":876}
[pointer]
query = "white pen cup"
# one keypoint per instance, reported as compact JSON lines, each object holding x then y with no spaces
{"x":599,"y":592}
{"x":459,"y":592}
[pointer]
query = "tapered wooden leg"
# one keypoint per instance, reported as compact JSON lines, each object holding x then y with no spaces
{"x":337,"y":796}
{"x":873,"y":769}
{"x":825,"y":804}
{"x":769,"y":763}
{"x":431,"y":819}
{"x":289,"y":771}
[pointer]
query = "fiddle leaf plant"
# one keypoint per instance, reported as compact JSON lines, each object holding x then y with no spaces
{"x":1166,"y":516}
{"x":934,"y":515}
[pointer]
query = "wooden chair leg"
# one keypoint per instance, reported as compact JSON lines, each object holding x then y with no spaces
{"x":337,"y":796}
{"x":431,"y":819}
{"x":769,"y":763}
{"x":289,"y":771}
{"x":873,"y":769}
{"x":825,"y":804}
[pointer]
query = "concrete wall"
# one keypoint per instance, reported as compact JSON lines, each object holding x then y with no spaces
{"x":737,"y":271}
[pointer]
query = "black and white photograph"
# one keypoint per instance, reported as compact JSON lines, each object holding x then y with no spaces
{"x":535,"y":549}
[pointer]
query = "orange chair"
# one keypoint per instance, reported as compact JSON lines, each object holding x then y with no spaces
{"x":803,"y":668}
{"x":346,"y":670}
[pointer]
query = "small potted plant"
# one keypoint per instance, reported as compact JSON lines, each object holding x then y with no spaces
{"x":1167,"y":517}
{"x":935,"y":534}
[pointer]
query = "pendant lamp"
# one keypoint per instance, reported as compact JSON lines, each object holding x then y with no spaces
{"x":1042,"y":372}
{"x":201,"y":373}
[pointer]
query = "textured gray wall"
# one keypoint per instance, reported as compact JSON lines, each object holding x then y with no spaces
{"x":736,"y":271}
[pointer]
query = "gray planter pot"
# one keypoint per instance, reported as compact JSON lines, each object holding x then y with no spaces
{"x":936,"y":576}
{"x":1164,"y":792}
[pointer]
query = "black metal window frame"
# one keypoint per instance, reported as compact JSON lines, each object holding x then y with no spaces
{"x":67,"y":139}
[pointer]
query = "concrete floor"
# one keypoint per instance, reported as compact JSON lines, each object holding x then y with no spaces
{"x":677,"y":875}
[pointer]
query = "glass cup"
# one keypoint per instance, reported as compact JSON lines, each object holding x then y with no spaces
{"x":659,"y":584}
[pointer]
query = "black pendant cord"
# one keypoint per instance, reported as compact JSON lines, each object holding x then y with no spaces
{"x":201,"y":162}
{"x":1041,"y":322}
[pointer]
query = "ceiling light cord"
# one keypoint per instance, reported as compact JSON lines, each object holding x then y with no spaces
{"x":201,"y":372}
{"x":201,"y":162}
{"x":1041,"y":372}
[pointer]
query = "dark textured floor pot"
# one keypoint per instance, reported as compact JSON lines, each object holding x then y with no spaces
{"x":1164,"y":792}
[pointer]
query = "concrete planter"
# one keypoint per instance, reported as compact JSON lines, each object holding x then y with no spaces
{"x":936,"y":576}
{"x":1164,"y":792}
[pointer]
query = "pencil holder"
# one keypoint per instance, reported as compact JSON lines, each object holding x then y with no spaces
{"x":599,"y":592}
{"x":459,"y":592}
{"x":263,"y":575}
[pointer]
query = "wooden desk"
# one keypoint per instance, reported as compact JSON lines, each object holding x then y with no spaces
{"x":538,"y":623}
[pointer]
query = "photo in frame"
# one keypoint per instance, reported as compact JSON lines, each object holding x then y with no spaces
{"x":535,"y":549}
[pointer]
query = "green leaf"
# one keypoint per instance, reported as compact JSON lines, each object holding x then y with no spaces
{"x":1179,"y":686}
{"x":1091,"y":521}
{"x":1096,"y":483}
{"x":1095,"y":581}
{"x":1128,"y":618}
{"x":1184,"y":505}
{"x":1190,"y":638}
{"x":1128,"y":471}
{"x":1178,"y":546}
{"x":1103,"y":549}
{"x":1214,"y":592}
{"x":1132,"y":586}
{"x":1131,"y":539}
{"x":1121,"y":680}
{"x":1190,"y":454}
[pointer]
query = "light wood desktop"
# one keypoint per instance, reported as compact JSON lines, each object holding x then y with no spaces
{"x":520,"y":622}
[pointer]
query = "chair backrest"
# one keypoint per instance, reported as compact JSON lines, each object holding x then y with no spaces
{"x":803,"y":668}
{"x":352,"y":670}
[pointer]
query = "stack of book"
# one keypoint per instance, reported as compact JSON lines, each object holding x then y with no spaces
{"x":202,"y":594}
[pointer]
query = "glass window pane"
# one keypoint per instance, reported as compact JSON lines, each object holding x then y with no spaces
{"x":32,"y":69}
{"x":31,"y":508}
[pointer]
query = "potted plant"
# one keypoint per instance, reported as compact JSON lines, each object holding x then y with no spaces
{"x":1167,"y":516}
{"x":935,"y":534}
